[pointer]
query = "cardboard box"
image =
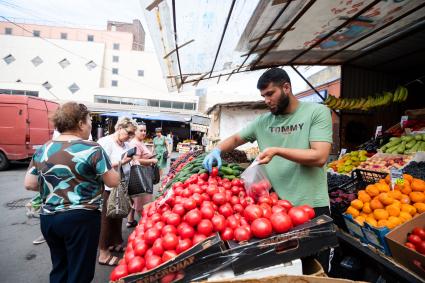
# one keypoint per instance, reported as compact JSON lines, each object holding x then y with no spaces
{"x":401,"y":253}
{"x":354,"y":228}
{"x":302,"y":241}
{"x":196,"y":263}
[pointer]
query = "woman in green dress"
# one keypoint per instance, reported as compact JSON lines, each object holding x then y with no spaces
{"x":160,"y":146}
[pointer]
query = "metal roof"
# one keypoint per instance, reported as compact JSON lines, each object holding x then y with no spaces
{"x":199,"y":39}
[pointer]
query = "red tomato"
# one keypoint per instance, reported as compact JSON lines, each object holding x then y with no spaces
{"x":168,"y":229}
{"x":232,"y":222}
{"x":205,"y":227}
{"x":170,"y":241}
{"x":136,"y":264}
{"x":186,"y":232}
{"x":157,"y":247}
{"x":156,"y":217}
{"x":236,"y":182}
{"x":421,"y":247}
{"x":252,"y":212}
{"x":278,"y":208}
{"x":140,"y":248}
{"x":153,"y":261}
{"x":238,"y":208}
{"x":235,"y":190}
{"x":244,"y":222}
{"x":204,"y":176}
{"x":149,"y":253}
{"x":207,"y":212}
{"x":167,"y":255}
{"x":410,"y":246}
{"x":133,"y":234}
{"x":149,"y":224}
{"x":193,"y":217}
{"x":179,"y":209}
{"x":242,"y":194}
{"x":219,"y":223}
{"x":189,"y":204}
{"x":164,"y":216}
{"x":197,"y":198}
{"x":198,"y":238}
{"x":211,"y":190}
{"x":226,"y":210}
{"x":128,"y":256}
{"x":173,"y":219}
{"x":227,"y":185}
{"x":309,"y":210}
{"x":285,"y":204}
{"x":186,"y":193}
{"x":159,"y":225}
{"x":261,"y":228}
{"x":242,"y":234}
{"x":151,"y":235}
{"x":419,"y":232}
{"x":184,"y":244}
{"x":177,"y":185}
{"x":281,"y":222}
{"x":219,"y":198}
{"x":234,"y":200}
{"x":265,"y":199}
{"x":414,"y":239}
{"x":227,"y":234}
{"x":205,"y":196}
{"x":298,"y":216}
{"x":214,"y":171}
{"x":267,"y":210}
{"x":119,"y":272}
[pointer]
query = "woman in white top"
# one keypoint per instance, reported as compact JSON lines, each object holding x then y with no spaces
{"x":116,"y":145}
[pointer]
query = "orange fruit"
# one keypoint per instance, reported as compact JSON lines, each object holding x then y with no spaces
{"x":383,"y":188}
{"x":408,"y":177}
{"x":372,"y":190}
{"x":393,"y":222}
{"x":393,"y":210}
{"x":376,"y":204}
{"x":371,"y":221}
{"x":357,"y":204}
{"x":397,"y":203}
{"x":383,"y":223}
{"x":408,"y":208}
{"x":366,"y":208}
{"x":385,"y":199}
{"x":363,"y":196}
{"x":388,"y":179}
{"x":353,"y":211}
{"x":405,"y":216}
{"x":405,"y":198}
{"x":417,"y":196}
{"x":380,"y":214}
{"x":420,"y":207}
{"x":360,"y":220}
{"x":405,"y":189}
{"x":395,"y":194}
{"x":418,"y":185}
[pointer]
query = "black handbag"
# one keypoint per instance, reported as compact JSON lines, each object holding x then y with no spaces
{"x":141,"y":180}
{"x":155,"y":177}
{"x":165,"y":154}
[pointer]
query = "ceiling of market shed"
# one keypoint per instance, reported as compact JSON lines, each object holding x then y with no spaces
{"x":205,"y":39}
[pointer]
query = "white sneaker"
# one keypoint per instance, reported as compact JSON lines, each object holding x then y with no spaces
{"x":39,"y":240}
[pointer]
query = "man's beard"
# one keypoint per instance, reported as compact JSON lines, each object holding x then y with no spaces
{"x":282,"y":104}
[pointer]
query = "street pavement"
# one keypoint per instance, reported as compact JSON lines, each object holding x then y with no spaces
{"x":20,"y":259}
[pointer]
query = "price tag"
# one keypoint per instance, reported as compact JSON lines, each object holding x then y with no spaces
{"x":167,"y":195}
{"x":403,"y":119}
{"x":343,"y":151}
{"x":378,"y":131}
{"x":396,"y":176}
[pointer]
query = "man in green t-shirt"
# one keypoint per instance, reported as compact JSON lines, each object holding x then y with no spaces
{"x":294,"y":139}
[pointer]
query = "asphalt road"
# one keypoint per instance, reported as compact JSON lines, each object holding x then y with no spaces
{"x":20,"y":259}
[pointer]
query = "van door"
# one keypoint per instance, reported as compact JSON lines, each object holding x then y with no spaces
{"x":38,"y":123}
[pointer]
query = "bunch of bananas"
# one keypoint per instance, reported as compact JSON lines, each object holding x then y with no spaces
{"x":365,"y":104}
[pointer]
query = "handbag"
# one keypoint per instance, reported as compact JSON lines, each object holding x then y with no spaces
{"x":141,"y":180}
{"x":119,"y":203}
{"x":156,"y":176}
{"x":165,"y":154}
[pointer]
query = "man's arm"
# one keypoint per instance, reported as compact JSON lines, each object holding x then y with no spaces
{"x":315,"y":156}
{"x":31,"y":181}
{"x":231,"y":143}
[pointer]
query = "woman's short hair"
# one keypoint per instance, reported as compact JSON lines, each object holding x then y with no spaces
{"x":125,"y":122}
{"x":68,"y":115}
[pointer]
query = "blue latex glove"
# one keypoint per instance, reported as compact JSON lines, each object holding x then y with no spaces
{"x":209,"y":159}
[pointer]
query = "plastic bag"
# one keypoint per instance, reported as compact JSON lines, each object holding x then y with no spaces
{"x":256,"y":182}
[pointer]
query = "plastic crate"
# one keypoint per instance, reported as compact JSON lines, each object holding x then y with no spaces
{"x":366,"y":177}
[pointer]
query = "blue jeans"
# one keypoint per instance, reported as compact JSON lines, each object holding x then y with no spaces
{"x":73,"y":237}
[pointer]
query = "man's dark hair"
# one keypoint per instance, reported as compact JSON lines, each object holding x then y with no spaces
{"x":276,"y":76}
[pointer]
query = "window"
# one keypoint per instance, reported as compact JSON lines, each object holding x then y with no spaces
{"x":90,"y":37}
{"x":47,"y":85}
{"x":31,"y":93}
{"x":64,"y":63}
{"x":100,"y":99}
{"x":116,"y":46}
{"x":36,"y":33}
{"x":115,"y":71}
{"x":115,"y":59}
{"x":91,"y":65}
{"x":114,"y":83}
{"x":189,"y":106}
{"x":9,"y":59}
{"x":64,"y":35}
{"x":74,"y":88}
{"x":141,"y":73}
{"x":165,"y":104}
{"x":178,"y":105}
{"x":153,"y":103}
{"x":8,"y":31}
{"x":36,"y":61}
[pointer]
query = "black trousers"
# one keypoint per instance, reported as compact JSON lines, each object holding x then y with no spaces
{"x":73,"y":237}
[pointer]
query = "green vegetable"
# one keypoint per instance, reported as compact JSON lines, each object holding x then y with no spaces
{"x":401,"y":148}
{"x":411,"y":144}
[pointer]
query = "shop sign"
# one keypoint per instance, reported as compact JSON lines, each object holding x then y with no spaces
{"x":198,"y":128}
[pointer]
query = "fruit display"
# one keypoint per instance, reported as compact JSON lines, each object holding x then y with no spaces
{"x":380,"y":206}
{"x":348,"y":162}
{"x":383,"y":162}
{"x":416,"y":169}
{"x":407,"y":144}
{"x":341,"y":199}
{"x":386,"y":98}
{"x":336,"y":180}
{"x":234,"y":156}
{"x":195,"y":210}
{"x":371,"y":145}
{"x":416,"y":240}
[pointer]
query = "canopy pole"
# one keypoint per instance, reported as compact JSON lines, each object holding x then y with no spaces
{"x":177,"y":47}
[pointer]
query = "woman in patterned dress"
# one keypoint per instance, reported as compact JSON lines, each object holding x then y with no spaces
{"x":160,"y":145}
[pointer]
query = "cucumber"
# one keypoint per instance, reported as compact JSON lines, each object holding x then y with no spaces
{"x":411,"y":144}
{"x":230,"y":177}
{"x":416,"y":147}
{"x":226,"y":170}
{"x":402,"y":147}
{"x":202,"y":171}
{"x":407,"y":138}
{"x":418,"y":137}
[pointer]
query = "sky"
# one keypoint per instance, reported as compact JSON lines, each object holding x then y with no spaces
{"x":95,"y":13}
